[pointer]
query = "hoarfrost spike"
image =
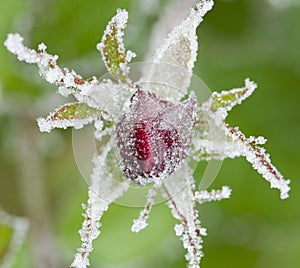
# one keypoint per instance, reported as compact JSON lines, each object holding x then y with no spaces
{"x":214,"y":195}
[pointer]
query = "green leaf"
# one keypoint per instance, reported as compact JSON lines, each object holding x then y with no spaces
{"x":74,"y":111}
{"x":228,"y":99}
{"x":69,"y":115}
{"x":112,"y":47}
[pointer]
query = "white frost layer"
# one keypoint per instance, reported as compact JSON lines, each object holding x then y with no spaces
{"x":215,"y":195}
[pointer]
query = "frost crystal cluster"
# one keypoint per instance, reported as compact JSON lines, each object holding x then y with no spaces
{"x":155,"y":130}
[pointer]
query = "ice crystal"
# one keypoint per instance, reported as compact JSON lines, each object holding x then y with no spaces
{"x":155,"y":125}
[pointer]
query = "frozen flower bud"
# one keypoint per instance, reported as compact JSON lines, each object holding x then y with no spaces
{"x":153,"y":136}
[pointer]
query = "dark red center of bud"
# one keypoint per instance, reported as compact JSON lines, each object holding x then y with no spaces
{"x":141,"y":137}
{"x":148,"y":138}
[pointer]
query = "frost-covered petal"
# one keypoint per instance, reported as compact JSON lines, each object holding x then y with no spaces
{"x":176,"y":56}
{"x":214,"y":139}
{"x":210,"y":140}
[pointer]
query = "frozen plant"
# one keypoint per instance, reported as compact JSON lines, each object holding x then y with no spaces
{"x":155,"y":130}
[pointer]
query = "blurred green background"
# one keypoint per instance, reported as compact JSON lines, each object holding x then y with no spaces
{"x":39,"y":179}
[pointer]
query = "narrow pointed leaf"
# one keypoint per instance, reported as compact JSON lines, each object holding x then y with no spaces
{"x":180,"y":190}
{"x":178,"y":54}
{"x":260,"y":161}
{"x":69,"y":115}
{"x":112,"y":47}
{"x":228,"y":99}
{"x":105,"y":187}
{"x":67,"y":80}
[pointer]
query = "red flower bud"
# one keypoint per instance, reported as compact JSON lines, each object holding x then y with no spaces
{"x":154,"y":136}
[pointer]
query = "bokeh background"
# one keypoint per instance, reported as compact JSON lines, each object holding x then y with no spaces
{"x":39,"y":179}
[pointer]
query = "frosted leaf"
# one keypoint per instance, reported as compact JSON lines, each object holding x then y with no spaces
{"x":180,"y":190}
{"x":112,"y":47}
{"x":68,"y":81}
{"x":211,"y":140}
{"x":178,"y":54}
{"x":14,"y":43}
{"x":42,"y":47}
{"x":69,"y":115}
{"x":214,"y":195}
{"x":141,"y":223}
{"x":228,"y":99}
{"x":170,"y":16}
{"x":154,"y":136}
{"x":259,"y":160}
{"x":104,"y":189}
{"x":214,"y":139}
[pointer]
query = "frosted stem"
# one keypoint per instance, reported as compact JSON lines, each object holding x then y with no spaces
{"x":141,"y":223}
